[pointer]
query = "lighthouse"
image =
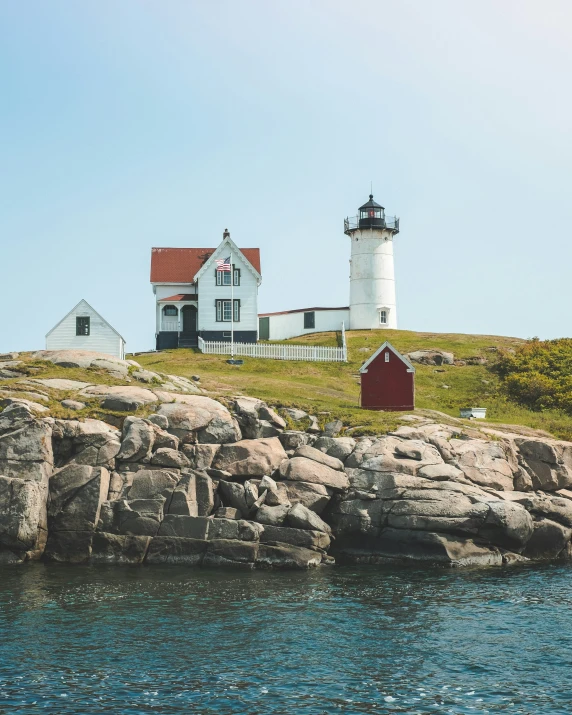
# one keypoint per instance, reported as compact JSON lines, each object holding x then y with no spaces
{"x":372,"y":274}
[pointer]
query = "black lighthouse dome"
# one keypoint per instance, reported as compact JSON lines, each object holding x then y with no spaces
{"x":371,"y":214}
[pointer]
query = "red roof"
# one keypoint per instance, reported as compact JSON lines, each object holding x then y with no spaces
{"x":179,"y":296}
{"x":180,"y":265}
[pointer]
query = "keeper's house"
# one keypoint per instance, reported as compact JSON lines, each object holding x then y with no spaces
{"x":83,"y":328}
{"x":194,"y":299}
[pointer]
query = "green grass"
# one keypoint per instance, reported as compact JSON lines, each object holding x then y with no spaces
{"x":41,"y":369}
{"x":334,"y":387}
{"x":331,"y":390}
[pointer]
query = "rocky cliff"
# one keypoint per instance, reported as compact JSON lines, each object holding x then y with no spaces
{"x":191,"y":480}
{"x":198,"y":483}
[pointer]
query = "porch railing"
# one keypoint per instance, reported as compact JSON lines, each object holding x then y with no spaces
{"x":170,"y":325}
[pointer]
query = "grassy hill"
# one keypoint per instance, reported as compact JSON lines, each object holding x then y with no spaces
{"x":333,"y":388}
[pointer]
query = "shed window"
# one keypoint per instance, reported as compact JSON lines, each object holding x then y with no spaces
{"x":309,"y":320}
{"x":82,"y":325}
{"x":170,"y":310}
{"x":387,"y":356}
{"x":383,"y":317}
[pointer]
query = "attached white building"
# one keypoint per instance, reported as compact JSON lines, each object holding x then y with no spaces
{"x":372,"y":283}
{"x":83,"y":328}
{"x":194,"y":299}
{"x":291,"y":323}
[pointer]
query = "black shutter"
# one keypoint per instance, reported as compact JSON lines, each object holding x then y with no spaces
{"x":218,"y":307}
{"x":236,"y":308}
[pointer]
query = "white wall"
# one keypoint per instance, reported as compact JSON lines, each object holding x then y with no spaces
{"x":290,"y":325}
{"x":165,"y":290}
{"x":102,"y":338}
{"x":246,"y":292}
{"x":372,"y":279}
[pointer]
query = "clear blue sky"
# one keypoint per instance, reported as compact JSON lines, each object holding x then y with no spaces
{"x":131,"y":124}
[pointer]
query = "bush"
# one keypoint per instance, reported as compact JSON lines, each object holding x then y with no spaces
{"x":538,"y":374}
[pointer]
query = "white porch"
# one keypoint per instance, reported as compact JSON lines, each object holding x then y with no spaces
{"x":173,"y":318}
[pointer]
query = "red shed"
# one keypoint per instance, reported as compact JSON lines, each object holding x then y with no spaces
{"x":387,"y":381}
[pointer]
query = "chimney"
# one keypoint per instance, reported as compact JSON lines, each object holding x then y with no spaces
{"x":226,"y":234}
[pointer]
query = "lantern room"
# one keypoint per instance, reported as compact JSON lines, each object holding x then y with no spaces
{"x":371,"y":215}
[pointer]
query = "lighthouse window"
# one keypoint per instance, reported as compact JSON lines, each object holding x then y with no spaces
{"x":383,"y":317}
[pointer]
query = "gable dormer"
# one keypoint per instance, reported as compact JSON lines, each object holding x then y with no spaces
{"x":242,"y":259}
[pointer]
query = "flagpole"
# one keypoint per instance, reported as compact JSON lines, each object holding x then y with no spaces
{"x":231,"y":308}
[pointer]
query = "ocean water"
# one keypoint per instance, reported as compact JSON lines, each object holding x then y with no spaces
{"x":88,"y":640}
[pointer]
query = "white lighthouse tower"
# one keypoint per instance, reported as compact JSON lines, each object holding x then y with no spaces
{"x":372,"y":275}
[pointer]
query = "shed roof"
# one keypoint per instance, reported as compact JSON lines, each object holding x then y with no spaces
{"x":396,"y":352}
{"x":180,"y":265}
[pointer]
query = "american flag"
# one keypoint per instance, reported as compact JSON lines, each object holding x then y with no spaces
{"x":223,"y":265}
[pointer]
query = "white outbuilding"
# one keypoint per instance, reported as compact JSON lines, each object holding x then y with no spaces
{"x":83,"y":328}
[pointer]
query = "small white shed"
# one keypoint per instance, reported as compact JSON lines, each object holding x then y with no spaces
{"x":83,"y":328}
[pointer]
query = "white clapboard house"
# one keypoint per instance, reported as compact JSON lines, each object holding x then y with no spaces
{"x":83,"y":328}
{"x":194,"y":299}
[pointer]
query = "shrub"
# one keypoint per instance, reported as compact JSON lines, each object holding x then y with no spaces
{"x":538,"y":374}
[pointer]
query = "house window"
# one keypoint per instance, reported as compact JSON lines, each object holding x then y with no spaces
{"x":236,"y":274}
{"x":224,"y":313}
{"x":223,"y":278}
{"x":170,"y":310}
{"x":387,"y":356}
{"x":309,"y":320}
{"x":82,"y":326}
{"x":383,"y":317}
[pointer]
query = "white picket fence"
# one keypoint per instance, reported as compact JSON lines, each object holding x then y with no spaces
{"x":311,"y":353}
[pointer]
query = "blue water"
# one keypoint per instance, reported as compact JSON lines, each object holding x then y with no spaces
{"x":345,"y":640}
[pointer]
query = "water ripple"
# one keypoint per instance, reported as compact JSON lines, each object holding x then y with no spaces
{"x":351,"y":640}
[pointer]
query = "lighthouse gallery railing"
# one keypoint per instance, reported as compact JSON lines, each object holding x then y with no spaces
{"x":391,"y":222}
